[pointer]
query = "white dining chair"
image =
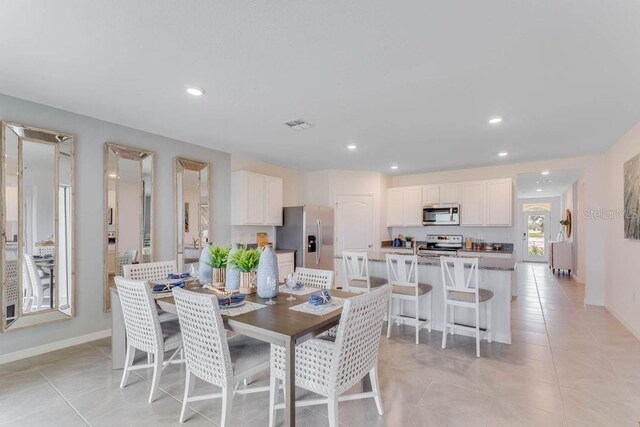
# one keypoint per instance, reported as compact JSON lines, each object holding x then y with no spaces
{"x":144,"y":331}
{"x":123,"y":259}
{"x":460,"y":285}
{"x":356,"y":267}
{"x":44,"y":250}
{"x":211,"y":356}
{"x":13,"y":288}
{"x":39,"y":290}
{"x":402,"y":271}
{"x":322,"y":279}
{"x":150,"y":271}
{"x":330,"y":368}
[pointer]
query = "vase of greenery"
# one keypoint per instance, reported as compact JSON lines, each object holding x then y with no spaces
{"x":408,"y":241}
{"x":246,"y":260}
{"x":218,"y":264}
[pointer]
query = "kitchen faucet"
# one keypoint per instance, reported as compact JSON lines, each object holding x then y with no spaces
{"x":417,"y":247}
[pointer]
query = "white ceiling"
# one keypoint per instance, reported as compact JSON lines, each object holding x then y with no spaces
{"x":552,"y":185}
{"x":409,"y":82}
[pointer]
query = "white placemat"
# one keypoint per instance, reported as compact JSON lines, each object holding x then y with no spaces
{"x":302,"y":291}
{"x":245,"y":308}
{"x":321,"y":310}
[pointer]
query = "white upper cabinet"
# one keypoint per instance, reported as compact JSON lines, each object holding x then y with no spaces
{"x":256,"y":199}
{"x":499,"y":203}
{"x":431,"y":194}
{"x":404,"y":207}
{"x":472,"y":197}
{"x":449,"y":193}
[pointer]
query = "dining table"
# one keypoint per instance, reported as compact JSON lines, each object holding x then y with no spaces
{"x":277,"y":324}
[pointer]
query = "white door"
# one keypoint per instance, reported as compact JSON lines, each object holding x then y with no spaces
{"x":535,"y":236}
{"x":354,"y":227}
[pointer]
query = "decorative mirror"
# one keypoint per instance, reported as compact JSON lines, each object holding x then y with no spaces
{"x":192,"y":211}
{"x":128,"y":217}
{"x":36,"y":249}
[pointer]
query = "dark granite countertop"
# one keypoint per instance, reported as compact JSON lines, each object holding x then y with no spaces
{"x":500,"y":264}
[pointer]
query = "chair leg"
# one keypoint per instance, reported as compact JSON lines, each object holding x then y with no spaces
{"x":375,"y":386}
{"x":445,"y":327}
{"x":157,"y":371}
{"x":128,"y":361}
{"x":417,"y":321}
{"x":390,"y":316}
{"x":333,"y":412}
{"x":452,"y":314}
{"x":190,"y":382}
{"x":429,"y":310}
{"x":273,"y":398}
{"x":489,"y":321}
{"x":227,"y":403}
{"x":477,"y":331}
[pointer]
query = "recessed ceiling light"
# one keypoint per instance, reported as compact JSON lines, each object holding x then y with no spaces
{"x":495,"y":120}
{"x":352,"y":147}
{"x":195,"y":91}
{"x":538,"y":189}
{"x":394,"y":167}
{"x":503,"y":154}
{"x":545,"y":172}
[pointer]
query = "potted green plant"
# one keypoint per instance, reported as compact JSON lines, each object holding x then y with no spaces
{"x":408,"y":241}
{"x":246,"y":260}
{"x":218,"y":263}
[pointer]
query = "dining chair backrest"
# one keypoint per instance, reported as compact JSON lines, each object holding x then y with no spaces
{"x":314,"y":278}
{"x":150,"y":271}
{"x":358,"y":337}
{"x":13,"y":293}
{"x":140,"y":315}
{"x":44,"y":250}
{"x":34,"y":280}
{"x":356,"y":266}
{"x":204,"y":337}
{"x":459,"y":275}
{"x":131,"y":253}
{"x":402,"y":270}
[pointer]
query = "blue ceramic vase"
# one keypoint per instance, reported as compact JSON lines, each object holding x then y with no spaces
{"x":233,"y":274}
{"x":268,"y":267}
{"x":205,"y":272}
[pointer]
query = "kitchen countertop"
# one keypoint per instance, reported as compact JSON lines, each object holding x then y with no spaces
{"x":501,"y":264}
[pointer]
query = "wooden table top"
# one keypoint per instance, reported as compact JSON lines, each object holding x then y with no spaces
{"x":278,"y":318}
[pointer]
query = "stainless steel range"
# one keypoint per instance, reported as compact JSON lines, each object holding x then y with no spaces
{"x":442,"y":244}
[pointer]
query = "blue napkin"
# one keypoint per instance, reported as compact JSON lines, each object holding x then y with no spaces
{"x":297,"y":286}
{"x":317,"y":300}
{"x":233,"y":299}
{"x":160,"y":287}
{"x":178,"y":276}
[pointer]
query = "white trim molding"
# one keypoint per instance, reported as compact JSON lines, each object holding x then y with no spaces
{"x":53,"y":346}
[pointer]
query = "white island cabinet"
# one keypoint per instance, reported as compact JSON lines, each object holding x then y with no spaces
{"x":496,"y":275}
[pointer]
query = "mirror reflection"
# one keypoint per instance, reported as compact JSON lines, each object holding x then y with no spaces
{"x":192,"y":212}
{"x":129,"y":206}
{"x":37,"y":171}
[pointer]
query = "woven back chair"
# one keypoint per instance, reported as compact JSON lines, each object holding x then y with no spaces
{"x":13,"y":285}
{"x":123,"y":260}
{"x":461,"y":288}
{"x":37,"y":290}
{"x":45,"y":250}
{"x":402,"y":271}
{"x":143,"y":329}
{"x":331,"y":368}
{"x":150,"y":271}
{"x":207,"y":351}
{"x":322,"y":279}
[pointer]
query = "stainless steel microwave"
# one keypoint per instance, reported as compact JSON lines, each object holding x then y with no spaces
{"x":444,"y":214}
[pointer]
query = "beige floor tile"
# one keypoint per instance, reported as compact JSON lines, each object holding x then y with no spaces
{"x":460,"y":404}
{"x":507,"y":414}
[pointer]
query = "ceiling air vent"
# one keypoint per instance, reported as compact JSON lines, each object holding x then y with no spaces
{"x":298,"y":124}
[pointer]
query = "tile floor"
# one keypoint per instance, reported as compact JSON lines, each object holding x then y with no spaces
{"x":569,"y":365}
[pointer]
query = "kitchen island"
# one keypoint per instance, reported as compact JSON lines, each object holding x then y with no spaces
{"x":495,"y":274}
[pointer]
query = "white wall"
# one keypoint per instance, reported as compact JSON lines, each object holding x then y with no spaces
{"x":622,"y":255}
{"x":90,"y":136}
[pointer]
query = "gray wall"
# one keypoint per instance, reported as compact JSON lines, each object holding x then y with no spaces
{"x":90,"y":136}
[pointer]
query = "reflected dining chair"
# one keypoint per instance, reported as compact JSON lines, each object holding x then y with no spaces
{"x":145,"y":332}
{"x":330,"y":368}
{"x":356,"y":267}
{"x":37,"y":287}
{"x":402,"y":271}
{"x":13,"y":291}
{"x":322,"y":279}
{"x":211,"y":356}
{"x":460,"y":285}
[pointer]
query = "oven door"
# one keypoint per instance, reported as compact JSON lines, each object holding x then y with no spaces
{"x":441,"y":215}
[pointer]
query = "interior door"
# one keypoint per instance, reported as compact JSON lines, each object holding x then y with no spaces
{"x":535,"y":236}
{"x":354,"y":223}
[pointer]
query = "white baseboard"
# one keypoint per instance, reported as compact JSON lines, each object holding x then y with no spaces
{"x":630,"y":328}
{"x":52,"y":346}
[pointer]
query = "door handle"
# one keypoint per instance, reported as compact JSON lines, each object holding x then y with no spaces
{"x":319,"y":244}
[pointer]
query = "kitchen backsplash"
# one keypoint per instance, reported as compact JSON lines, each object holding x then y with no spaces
{"x":488,"y":234}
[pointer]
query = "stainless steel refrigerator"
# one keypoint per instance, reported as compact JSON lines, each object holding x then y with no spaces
{"x":308,"y":230}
